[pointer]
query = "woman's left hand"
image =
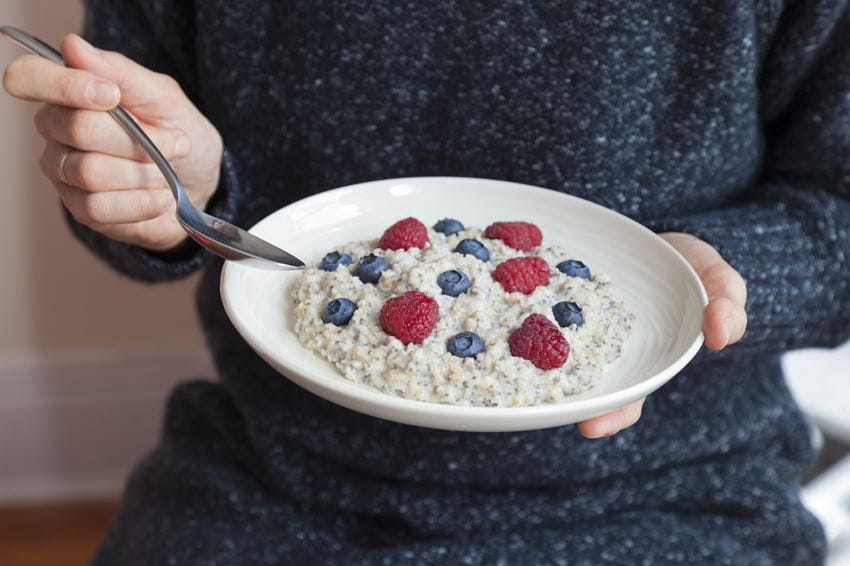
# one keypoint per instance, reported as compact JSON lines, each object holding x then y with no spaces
{"x":724,"y":320}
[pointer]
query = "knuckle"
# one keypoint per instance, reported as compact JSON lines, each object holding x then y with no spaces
{"x":13,"y":75}
{"x":82,"y":129}
{"x":96,"y":208}
{"x":715,"y":271}
{"x":89,"y":172}
{"x":155,"y":202}
{"x":70,"y":89}
{"x":150,"y":177}
{"x":717,"y":276}
{"x":42,"y":120}
{"x":172,"y":93}
{"x":167,"y":82}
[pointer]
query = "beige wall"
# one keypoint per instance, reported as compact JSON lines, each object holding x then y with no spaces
{"x":55,"y":295}
{"x":87,"y":358}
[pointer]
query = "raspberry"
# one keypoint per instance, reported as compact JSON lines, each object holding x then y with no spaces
{"x":522,"y":274}
{"x":410,"y":317}
{"x":404,"y":234}
{"x":539,"y":341}
{"x":520,"y":236}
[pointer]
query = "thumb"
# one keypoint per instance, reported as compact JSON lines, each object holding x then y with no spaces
{"x":140,"y":87}
{"x":725,"y":317}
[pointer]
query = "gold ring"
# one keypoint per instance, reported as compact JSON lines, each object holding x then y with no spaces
{"x":62,"y":161}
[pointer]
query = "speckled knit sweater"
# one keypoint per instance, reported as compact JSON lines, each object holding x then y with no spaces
{"x":726,"y":119}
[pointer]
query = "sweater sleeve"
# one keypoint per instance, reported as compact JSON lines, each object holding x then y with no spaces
{"x":158,"y":35}
{"x":789,"y":236}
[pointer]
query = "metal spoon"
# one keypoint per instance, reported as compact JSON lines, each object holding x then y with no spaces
{"x":220,"y":237}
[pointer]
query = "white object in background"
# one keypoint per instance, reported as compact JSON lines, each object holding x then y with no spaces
{"x":820,"y":382}
{"x":653,"y":280}
{"x":828,"y":497}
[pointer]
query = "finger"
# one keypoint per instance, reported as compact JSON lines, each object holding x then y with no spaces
{"x":114,"y":207}
{"x":31,"y":77}
{"x":96,"y":172}
{"x":90,"y":130}
{"x":158,"y":234}
{"x":724,"y":323}
{"x":718,"y":277}
{"x":722,"y":281}
{"x":139,"y":85}
{"x":613,"y":422}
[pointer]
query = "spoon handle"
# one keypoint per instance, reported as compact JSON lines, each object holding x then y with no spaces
{"x":41,"y":48}
{"x":214,"y":234}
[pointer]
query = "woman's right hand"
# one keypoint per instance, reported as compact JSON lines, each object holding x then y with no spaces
{"x":103,"y":177}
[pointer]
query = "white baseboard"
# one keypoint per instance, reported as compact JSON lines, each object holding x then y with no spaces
{"x":72,"y":424}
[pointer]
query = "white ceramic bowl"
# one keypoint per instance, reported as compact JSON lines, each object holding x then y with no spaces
{"x":653,"y":280}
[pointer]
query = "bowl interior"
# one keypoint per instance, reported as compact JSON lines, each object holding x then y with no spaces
{"x":649,"y":276}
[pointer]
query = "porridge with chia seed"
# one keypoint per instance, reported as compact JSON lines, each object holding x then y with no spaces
{"x":463,"y":316}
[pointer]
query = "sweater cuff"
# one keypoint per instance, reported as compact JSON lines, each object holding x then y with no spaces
{"x":145,"y":265}
{"x":786,"y":252}
{"x":753,"y":238}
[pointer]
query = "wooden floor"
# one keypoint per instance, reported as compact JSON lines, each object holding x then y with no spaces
{"x":59,"y":535}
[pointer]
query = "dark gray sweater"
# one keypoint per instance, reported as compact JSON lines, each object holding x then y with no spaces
{"x":726,"y":119}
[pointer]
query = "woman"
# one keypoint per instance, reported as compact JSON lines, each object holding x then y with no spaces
{"x":725,"y":126}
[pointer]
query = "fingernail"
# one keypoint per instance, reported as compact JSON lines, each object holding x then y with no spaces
{"x":726,"y":334}
{"x":182,"y":147}
{"x":103,"y":93}
{"x":602,"y":432}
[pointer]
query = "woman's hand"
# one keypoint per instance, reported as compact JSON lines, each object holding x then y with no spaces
{"x":724,"y":320}
{"x":103,"y":177}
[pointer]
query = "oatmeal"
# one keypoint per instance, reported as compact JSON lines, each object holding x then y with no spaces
{"x":446,"y":316}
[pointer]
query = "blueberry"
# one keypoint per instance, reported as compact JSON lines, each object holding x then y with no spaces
{"x":453,"y":282}
{"x":333,"y":259}
{"x":567,"y":313}
{"x":465,"y":345}
{"x":574,"y":268}
{"x":369,"y":268}
{"x":474,"y":248}
{"x":338,"y":312}
{"x":449,"y":226}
